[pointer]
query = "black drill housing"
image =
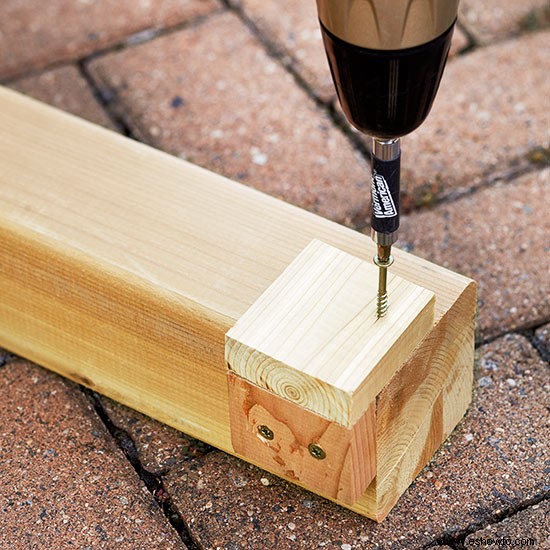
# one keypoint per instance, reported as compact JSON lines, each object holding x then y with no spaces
{"x":386,"y":93}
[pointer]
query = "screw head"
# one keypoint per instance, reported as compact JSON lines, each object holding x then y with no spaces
{"x":316,"y":451}
{"x":266,"y":432}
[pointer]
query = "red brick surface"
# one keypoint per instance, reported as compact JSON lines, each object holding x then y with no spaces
{"x":291,"y":27}
{"x":66,"y":89}
{"x":494,"y":461}
{"x":64,"y":482}
{"x":243,"y":116}
{"x":487,"y":117}
{"x":36,"y":33}
{"x":160,"y":448}
{"x":499,"y":237}
{"x":491,"y":20}
{"x":528,"y":528}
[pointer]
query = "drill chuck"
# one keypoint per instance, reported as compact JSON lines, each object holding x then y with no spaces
{"x":387,"y":58}
{"x":386,"y":93}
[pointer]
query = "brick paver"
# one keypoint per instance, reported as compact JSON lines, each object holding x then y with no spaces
{"x":490,"y":465}
{"x":292,"y":28}
{"x":492,"y":20}
{"x":35,"y":33}
{"x":228,"y":106}
{"x":487,"y":117}
{"x":529,"y":528}
{"x":64,"y":482}
{"x":66,"y":89}
{"x":499,"y":237}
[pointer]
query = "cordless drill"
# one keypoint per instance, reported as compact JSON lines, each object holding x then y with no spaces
{"x":386,"y":58}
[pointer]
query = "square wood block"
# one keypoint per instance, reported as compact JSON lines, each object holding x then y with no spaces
{"x":307,"y":361}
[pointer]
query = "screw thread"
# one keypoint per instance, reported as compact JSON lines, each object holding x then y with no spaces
{"x":382,"y":304}
{"x":383,"y":260}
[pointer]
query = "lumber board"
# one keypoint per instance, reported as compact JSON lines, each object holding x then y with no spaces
{"x":401,"y":405}
{"x":122,"y":268}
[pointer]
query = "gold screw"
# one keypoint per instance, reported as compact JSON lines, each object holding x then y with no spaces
{"x":316,"y":451}
{"x":383,"y":260}
{"x":266,"y":432}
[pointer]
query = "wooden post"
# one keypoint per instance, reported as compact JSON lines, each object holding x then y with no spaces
{"x":122,"y":268}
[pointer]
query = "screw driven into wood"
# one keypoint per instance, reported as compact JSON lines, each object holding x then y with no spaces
{"x":383,"y":260}
{"x":316,"y":451}
{"x":266,"y":432}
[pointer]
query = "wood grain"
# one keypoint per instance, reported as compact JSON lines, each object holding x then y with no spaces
{"x":403,"y":405}
{"x":122,"y":268}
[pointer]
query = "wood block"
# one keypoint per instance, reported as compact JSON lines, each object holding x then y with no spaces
{"x":314,"y":342}
{"x":122,"y":268}
{"x":314,"y":338}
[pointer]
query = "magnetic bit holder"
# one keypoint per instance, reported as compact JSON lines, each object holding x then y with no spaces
{"x":306,"y":363}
